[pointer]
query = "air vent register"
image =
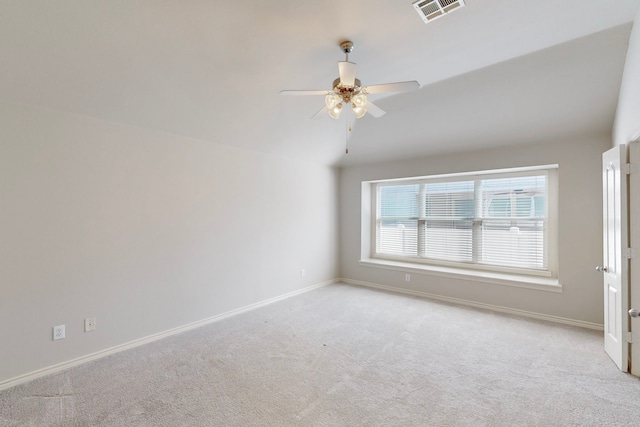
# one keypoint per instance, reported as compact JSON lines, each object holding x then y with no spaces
{"x":434,"y":9}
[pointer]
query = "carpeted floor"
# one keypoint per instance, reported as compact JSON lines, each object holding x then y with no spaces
{"x":344,"y":356}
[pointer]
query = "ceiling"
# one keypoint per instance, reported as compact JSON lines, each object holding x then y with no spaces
{"x":496,"y":72}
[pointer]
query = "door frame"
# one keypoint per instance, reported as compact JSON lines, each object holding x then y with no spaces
{"x":633,"y":156}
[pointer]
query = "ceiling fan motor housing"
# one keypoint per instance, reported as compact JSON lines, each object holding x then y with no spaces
{"x":346,"y":92}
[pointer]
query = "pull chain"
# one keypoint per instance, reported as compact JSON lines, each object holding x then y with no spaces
{"x":346,"y":137}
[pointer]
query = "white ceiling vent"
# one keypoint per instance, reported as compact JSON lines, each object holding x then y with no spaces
{"x":434,"y":9}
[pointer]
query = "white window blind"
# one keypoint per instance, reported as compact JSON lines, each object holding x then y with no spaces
{"x":497,"y":220}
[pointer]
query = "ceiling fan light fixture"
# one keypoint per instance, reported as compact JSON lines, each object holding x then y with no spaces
{"x":332,"y":100}
{"x":334,"y":112}
{"x":360,"y":100}
{"x":359,"y":111}
{"x":359,"y":105}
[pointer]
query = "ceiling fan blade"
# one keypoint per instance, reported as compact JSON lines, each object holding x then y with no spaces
{"x":305,"y":92}
{"x":347,"y":73}
{"x":374,"y":110}
{"x":321,"y":113}
{"x":391,"y":87}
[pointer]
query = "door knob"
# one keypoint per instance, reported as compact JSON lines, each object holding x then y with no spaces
{"x":602,"y":269}
{"x":634,"y":312}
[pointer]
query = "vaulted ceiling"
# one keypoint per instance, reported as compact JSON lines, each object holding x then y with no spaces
{"x":496,"y":72}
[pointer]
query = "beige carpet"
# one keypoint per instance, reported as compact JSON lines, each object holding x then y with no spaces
{"x":344,"y":356}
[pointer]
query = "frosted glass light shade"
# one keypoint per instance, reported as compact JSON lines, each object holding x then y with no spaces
{"x":332,"y":100}
{"x":359,"y":111}
{"x":359,"y":104}
{"x":334,"y":112}
{"x":359,"y":100}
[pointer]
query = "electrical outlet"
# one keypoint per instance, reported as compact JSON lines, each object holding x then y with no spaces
{"x":58,"y":332}
{"x":90,"y":324}
{"x":303,"y":272}
{"x":407,"y":277}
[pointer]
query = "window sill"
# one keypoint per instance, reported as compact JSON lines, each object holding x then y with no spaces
{"x":520,"y":281}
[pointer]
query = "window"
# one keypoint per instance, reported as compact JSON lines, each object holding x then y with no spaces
{"x":500,"y":221}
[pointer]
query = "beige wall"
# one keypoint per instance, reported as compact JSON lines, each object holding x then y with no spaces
{"x":580,"y":227}
{"x":627,"y":122}
{"x":627,"y":128}
{"x":145,"y":231}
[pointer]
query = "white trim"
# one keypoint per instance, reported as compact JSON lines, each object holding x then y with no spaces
{"x":11,"y":382}
{"x":500,"y":309}
{"x":530,"y":282}
{"x":499,"y":172}
{"x":462,"y":267}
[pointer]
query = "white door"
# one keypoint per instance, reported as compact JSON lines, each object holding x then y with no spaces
{"x":615,"y":264}
{"x":634,"y":233}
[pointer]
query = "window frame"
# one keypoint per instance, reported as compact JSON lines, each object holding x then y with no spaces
{"x":370,"y":216}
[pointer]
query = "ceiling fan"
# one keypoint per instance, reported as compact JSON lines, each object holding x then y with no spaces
{"x":347,"y":90}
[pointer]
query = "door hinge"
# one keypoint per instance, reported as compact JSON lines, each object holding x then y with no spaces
{"x":628,"y":168}
{"x":628,"y":253}
{"x":626,"y":337}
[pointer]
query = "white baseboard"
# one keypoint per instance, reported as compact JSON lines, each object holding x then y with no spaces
{"x":11,"y":382}
{"x":539,"y":316}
